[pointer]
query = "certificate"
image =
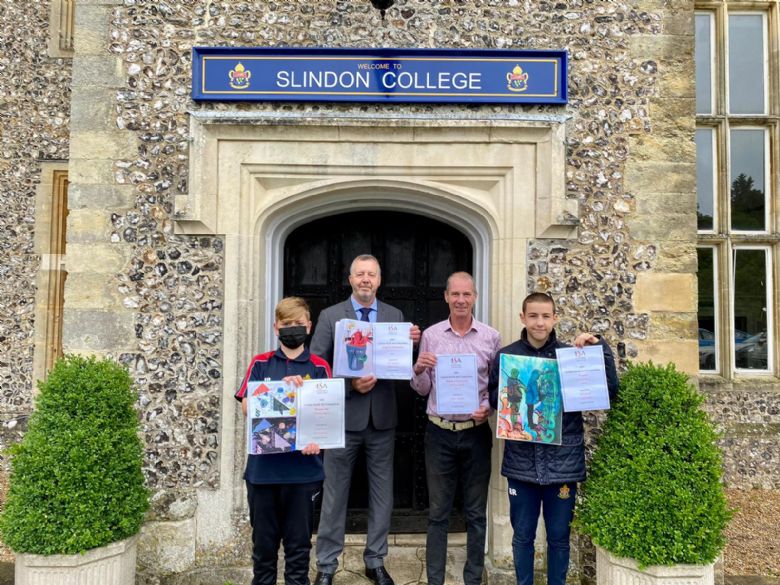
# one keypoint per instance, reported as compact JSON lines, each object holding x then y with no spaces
{"x":456,"y":384}
{"x":282,"y":417}
{"x":362,"y":349}
{"x":392,"y":351}
{"x":321,"y":413}
{"x":583,"y":378}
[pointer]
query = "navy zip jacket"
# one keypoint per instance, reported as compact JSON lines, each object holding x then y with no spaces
{"x":547,"y":464}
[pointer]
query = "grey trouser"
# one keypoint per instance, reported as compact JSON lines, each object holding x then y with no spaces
{"x":339,"y":464}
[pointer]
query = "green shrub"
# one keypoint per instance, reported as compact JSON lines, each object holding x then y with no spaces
{"x":654,"y":491}
{"x":76,"y":480}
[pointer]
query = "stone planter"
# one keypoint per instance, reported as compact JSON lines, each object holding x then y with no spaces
{"x":612,"y":570}
{"x":112,"y":564}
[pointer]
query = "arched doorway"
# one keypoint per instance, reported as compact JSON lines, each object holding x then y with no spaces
{"x":416,"y":253}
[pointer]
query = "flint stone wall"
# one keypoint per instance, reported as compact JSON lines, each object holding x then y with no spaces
{"x":611,"y":90}
{"x":34,"y":114}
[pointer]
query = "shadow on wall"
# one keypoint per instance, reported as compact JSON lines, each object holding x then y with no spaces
{"x":6,"y":574}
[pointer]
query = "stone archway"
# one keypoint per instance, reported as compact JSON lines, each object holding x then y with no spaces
{"x":499,"y":181}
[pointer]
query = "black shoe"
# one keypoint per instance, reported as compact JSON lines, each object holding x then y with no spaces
{"x":323,"y":578}
{"x":380,"y":576}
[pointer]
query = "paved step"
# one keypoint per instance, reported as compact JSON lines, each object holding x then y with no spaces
{"x":405,"y":560}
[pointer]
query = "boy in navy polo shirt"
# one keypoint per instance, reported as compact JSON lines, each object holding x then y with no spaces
{"x":282,"y":487}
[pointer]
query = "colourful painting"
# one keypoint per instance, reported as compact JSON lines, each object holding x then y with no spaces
{"x":530,"y":404}
{"x":272,"y":435}
{"x":353,"y":349}
{"x":271,"y":399}
{"x":271,"y":412}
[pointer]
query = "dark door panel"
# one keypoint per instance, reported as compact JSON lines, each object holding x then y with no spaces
{"x":416,"y":254}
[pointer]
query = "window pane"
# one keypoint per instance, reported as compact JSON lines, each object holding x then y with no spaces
{"x":750,"y":309}
{"x":703,"y":63}
{"x":705,"y":178}
{"x":708,"y":347}
{"x":746,"y":64}
{"x":748,"y":199}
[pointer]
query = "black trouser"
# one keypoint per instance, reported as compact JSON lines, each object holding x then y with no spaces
{"x":282,"y":513}
{"x":453,"y":457}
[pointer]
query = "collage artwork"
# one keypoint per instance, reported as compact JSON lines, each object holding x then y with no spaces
{"x":271,"y":418}
{"x":530,"y":404}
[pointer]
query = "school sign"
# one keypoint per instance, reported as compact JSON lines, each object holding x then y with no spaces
{"x":379,"y":75}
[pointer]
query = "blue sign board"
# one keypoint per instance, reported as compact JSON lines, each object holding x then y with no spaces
{"x":379,"y":75}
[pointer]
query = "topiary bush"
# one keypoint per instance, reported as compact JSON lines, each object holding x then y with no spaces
{"x":654,"y":491}
{"x":76,"y":480}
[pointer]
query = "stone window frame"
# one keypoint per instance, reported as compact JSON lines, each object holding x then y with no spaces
{"x":62,"y":19}
{"x":51,"y":214}
{"x":722,"y":238}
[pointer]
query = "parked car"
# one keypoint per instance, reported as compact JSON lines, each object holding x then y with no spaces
{"x":706,"y":349}
{"x":751,"y":353}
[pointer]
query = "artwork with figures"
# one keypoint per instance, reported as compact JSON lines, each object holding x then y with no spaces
{"x":530,"y":405}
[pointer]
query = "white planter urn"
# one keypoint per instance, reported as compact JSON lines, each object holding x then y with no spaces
{"x":113,"y":564}
{"x":612,"y":570}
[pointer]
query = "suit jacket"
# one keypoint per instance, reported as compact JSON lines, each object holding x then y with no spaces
{"x":380,"y":401}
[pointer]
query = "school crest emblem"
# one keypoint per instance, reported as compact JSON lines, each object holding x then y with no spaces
{"x":239,"y":77}
{"x":517,"y":80}
{"x":565,"y":492}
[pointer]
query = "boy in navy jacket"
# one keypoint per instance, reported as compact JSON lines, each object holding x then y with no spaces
{"x":540,"y":475}
{"x":283,"y":487}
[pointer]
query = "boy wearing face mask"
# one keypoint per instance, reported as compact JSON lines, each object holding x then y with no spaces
{"x":282,"y":488}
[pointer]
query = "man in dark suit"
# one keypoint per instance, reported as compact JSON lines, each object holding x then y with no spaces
{"x":370,"y":422}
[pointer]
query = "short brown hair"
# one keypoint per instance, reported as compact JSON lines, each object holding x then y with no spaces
{"x":539,"y":297}
{"x":292,"y":308}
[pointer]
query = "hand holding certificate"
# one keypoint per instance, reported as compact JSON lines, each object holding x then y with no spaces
{"x":583,"y":378}
{"x":380,"y":349}
{"x":457,"y":391}
{"x":392,"y":351}
{"x":321,"y":413}
{"x":282,"y":417}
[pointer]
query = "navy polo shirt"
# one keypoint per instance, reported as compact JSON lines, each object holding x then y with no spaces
{"x":292,"y":467}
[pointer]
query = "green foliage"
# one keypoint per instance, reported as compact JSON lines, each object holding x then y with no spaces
{"x":654,"y":490}
{"x":76,"y":480}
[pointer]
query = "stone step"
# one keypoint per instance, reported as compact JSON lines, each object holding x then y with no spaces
{"x":405,"y":562}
